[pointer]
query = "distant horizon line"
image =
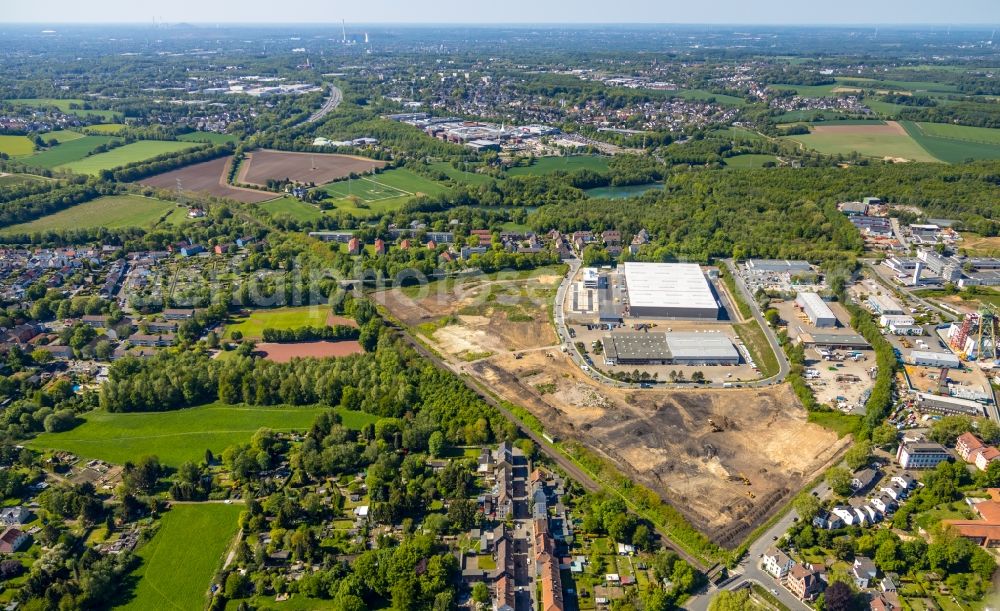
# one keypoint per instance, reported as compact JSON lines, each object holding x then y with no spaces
{"x":939,"y":25}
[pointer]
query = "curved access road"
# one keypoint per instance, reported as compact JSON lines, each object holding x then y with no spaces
{"x":336,"y":97}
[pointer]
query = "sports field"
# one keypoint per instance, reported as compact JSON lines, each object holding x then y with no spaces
{"x":253,"y":326}
{"x":293,"y":207}
{"x":179,"y":435}
{"x":955,"y":143}
{"x":16,"y":146}
{"x":888,"y":141}
{"x":178,"y":563}
{"x":112,"y":212}
{"x":547,"y":165}
{"x":124,"y":155}
{"x":380,"y":193}
{"x":69,"y":151}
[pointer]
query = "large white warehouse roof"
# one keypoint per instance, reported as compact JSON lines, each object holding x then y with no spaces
{"x":667,"y":285}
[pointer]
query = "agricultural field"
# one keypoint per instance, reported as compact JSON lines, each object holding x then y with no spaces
{"x":70,"y":150}
{"x":547,"y":165}
{"x":124,"y":155}
{"x":703,"y":95}
{"x":209,"y":137}
{"x":180,"y":435}
{"x":65,"y":105}
{"x":293,"y":207}
{"x":106,"y":129}
{"x":16,"y":146}
{"x":466,"y":178}
{"x":318,"y":168}
{"x":750,"y":161}
{"x":253,"y":325}
{"x":112,"y":212}
{"x":380,"y":193}
{"x":209,"y":178}
{"x":178,"y":563}
{"x":63,"y":135}
{"x":882,"y":141}
{"x":955,"y":143}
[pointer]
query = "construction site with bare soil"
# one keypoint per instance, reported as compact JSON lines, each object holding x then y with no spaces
{"x":725,"y":458}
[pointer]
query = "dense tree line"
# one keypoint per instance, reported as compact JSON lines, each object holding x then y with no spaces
{"x":305,"y":334}
{"x":35,"y":206}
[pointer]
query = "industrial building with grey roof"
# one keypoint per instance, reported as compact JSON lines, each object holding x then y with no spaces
{"x":677,"y":348}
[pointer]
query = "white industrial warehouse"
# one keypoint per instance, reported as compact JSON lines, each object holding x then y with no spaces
{"x":669,"y":290}
{"x":820,"y":314}
{"x":676,"y":348}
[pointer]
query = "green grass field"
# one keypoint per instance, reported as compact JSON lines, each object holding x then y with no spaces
{"x":955,"y":143}
{"x":210,"y":137}
{"x":293,"y":207}
{"x":750,"y":161}
{"x":124,"y":155}
{"x":701,"y":94}
{"x":877,"y":145}
{"x":62,"y":135}
{"x":466,"y":178}
{"x":279,"y":318}
{"x":67,"y":152}
{"x":178,"y":563}
{"x":107,"y":129}
{"x":19,"y":179}
{"x":180,"y":435}
{"x":112,"y":212}
{"x":64,"y":105}
{"x":547,"y":165}
{"x":380,"y":193}
{"x":16,"y":146}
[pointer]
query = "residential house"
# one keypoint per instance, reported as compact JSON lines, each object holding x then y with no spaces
{"x":12,"y":540}
{"x":178,"y":313}
{"x":921,"y":455}
{"x":885,"y":601}
{"x":354,"y":246}
{"x":777,"y":563}
{"x":863,"y":479}
{"x":94,"y":320}
{"x":967,"y":445}
{"x":884,"y":503}
{"x":846,"y":515}
{"x":380,"y":246}
{"x":905,"y":480}
{"x":14,"y":516}
{"x":804,"y":582}
{"x":863,"y":572}
{"x":152,"y":341}
{"x":985,"y":456}
{"x":503,"y":596}
{"x":986,"y":530}
{"x":895,"y":492}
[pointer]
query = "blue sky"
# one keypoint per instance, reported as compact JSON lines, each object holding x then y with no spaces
{"x":980,"y":12}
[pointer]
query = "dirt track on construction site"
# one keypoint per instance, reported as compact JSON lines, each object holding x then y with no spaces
{"x":691,"y":446}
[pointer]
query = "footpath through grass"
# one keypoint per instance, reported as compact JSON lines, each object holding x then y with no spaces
{"x":178,"y":563}
{"x":180,"y":435}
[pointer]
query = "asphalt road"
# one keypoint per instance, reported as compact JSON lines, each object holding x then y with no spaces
{"x":749,"y":569}
{"x":336,"y":96}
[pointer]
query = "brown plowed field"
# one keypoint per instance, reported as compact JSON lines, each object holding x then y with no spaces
{"x":207,"y":177}
{"x":282,"y":353}
{"x":318,"y":168}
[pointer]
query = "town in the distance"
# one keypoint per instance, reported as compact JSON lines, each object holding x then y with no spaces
{"x":499,"y":318}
